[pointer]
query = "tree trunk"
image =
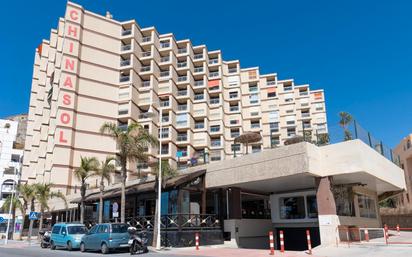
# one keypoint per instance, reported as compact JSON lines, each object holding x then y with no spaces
{"x":41,"y":221}
{"x":23,"y":221}
{"x":123,"y":196}
{"x":31,"y":221}
{"x":101,"y":201}
{"x":82,"y":194}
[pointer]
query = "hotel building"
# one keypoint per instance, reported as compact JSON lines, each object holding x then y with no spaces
{"x":95,"y":69}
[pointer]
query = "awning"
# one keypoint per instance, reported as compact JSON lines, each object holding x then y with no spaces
{"x":146,"y":186}
{"x":213,"y":83}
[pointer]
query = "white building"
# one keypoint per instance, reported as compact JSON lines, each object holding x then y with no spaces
{"x":10,"y":161}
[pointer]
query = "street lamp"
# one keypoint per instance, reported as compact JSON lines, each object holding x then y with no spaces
{"x":11,"y":207}
{"x":159,"y":177}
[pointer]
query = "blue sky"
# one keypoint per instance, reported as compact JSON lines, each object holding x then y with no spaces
{"x":360,"y":52}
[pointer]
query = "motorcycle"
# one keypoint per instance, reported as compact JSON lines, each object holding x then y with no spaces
{"x":45,"y":239}
{"x":137,"y":242}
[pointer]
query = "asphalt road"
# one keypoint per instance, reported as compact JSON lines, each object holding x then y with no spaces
{"x":35,"y":251}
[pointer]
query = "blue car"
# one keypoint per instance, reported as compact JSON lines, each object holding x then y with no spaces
{"x":106,"y":237}
{"x":67,"y":235}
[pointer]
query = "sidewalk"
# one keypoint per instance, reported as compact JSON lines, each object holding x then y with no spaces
{"x":18,"y":243}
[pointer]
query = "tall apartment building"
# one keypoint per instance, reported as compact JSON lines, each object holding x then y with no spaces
{"x":10,"y":160}
{"x":94,"y":69}
{"x":403,"y":151}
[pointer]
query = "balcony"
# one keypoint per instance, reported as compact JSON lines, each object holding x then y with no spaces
{"x":271,"y":83}
{"x":146,"y":54}
{"x":234,"y":134}
{"x":198,"y":69}
{"x":234,"y":108}
{"x":198,"y":56}
{"x":182,"y":93}
{"x":181,"y":64}
{"x":124,"y":78}
{"x":165,"y":103}
{"x":145,"y":115}
{"x":165,"y":119}
{"x":145,"y":68}
{"x":164,"y":74}
{"x":146,"y":84}
{"x":306,"y":125}
{"x":305,"y":115}
{"x":303,"y":93}
{"x":214,"y":74}
{"x":199,"y":83}
{"x":214,"y":129}
{"x":214,"y":101}
{"x":181,"y":107}
{"x":255,"y":125}
{"x":165,"y":59}
{"x":146,"y":39}
{"x":199,"y":97}
{"x":125,"y":48}
{"x":125,"y":63}
{"x":181,"y":138}
{"x":182,"y":123}
{"x":199,"y":125}
{"x":232,"y":70}
{"x":165,"y":44}
{"x":215,"y":143}
{"x":126,"y":32}
{"x":213,"y":61}
{"x":182,"y":50}
{"x":182,"y":78}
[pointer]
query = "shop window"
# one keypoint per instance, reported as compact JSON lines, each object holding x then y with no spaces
{"x":292,"y":207}
{"x":366,"y":206}
{"x":312,"y":206}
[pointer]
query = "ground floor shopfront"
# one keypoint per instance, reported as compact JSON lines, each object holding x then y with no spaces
{"x":292,"y":188}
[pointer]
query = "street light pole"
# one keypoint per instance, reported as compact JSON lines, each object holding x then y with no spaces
{"x":10,"y":208}
{"x":159,"y":182}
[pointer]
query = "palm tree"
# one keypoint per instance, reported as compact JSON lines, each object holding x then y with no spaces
{"x":345,"y":120}
{"x":27,"y":193}
{"x":88,"y":165}
{"x":167,"y":172}
{"x":104,"y":172}
{"x":15,"y":204}
{"x":44,"y":193}
{"x":131,"y":143}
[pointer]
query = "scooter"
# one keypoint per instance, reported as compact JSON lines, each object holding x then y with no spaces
{"x":137,"y":242}
{"x":45,"y":239}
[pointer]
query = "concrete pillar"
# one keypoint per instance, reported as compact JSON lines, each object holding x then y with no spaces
{"x":235,"y":209}
{"x":328,"y":219}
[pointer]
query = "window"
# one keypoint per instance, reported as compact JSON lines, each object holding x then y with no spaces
{"x":271,"y":92}
{"x":290,"y":120}
{"x":182,"y":107}
{"x":164,"y":103}
{"x":305,"y":114}
{"x":63,"y":231}
{"x":234,"y":107}
{"x":199,"y":96}
{"x":165,"y":44}
{"x":103,"y":229}
{"x":288,"y":98}
{"x":287,"y":88}
{"x":215,"y":142}
{"x":215,"y":128}
{"x":234,"y":133}
{"x":254,"y":124}
{"x":273,"y":116}
{"x":165,"y":133}
{"x":234,"y":122}
{"x":319,"y":106}
{"x":256,"y":148}
{"x":181,"y":119}
{"x":199,"y":124}
{"x":15,"y":158}
{"x":165,"y":118}
{"x":199,"y":83}
{"x":181,"y":64}
{"x":275,"y":141}
{"x":56,"y":230}
{"x":312,"y":206}
{"x":274,"y":127}
{"x":253,"y":88}
{"x":292,"y":207}
{"x":236,"y":147}
{"x":215,"y":156}
{"x":182,"y":151}
{"x":366,"y":206}
{"x":182,"y":136}
{"x":233,"y":94}
{"x":289,"y":111}
{"x":214,"y":100}
{"x":119,"y":228}
{"x":77,"y":230}
{"x":291,"y":132}
{"x":165,"y":149}
{"x":254,"y":98}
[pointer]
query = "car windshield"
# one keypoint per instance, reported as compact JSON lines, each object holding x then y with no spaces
{"x":119,"y":228}
{"x":77,"y":230}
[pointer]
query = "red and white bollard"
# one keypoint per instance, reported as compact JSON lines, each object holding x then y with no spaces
{"x":398,"y":229}
{"x":309,"y":242}
{"x":366,"y":234}
{"x":282,"y":242}
{"x":271,"y":243}
{"x":197,"y":241}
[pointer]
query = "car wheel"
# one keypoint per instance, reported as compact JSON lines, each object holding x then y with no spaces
{"x":105,"y":248}
{"x":82,"y":247}
{"x":42,"y":245}
{"x":52,"y":245}
{"x":69,"y":246}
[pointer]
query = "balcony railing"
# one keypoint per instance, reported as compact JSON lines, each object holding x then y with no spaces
{"x":126,"y":32}
{"x":182,"y":92}
{"x":164,"y":44}
{"x":182,"y":107}
{"x":214,"y":74}
{"x":164,"y":103}
{"x":199,"y":125}
{"x":213,"y":61}
{"x":164,"y":73}
{"x":199,"y":97}
{"x":198,"y":56}
{"x":125,"y":63}
{"x":215,"y":143}
{"x":145,"y":68}
{"x":198,"y":69}
{"x":182,"y":50}
{"x":182,"y":78}
{"x":271,"y":83}
{"x":126,"y":47}
{"x":234,"y":108}
{"x":145,"y":115}
{"x":165,"y":59}
{"x":181,"y":64}
{"x":199,"y":83}
{"x":124,"y":78}
{"x":146,"y":54}
{"x":146,"y":83}
{"x":181,"y":138}
{"x":146,"y":39}
{"x":232,"y":70}
{"x":303,"y":93}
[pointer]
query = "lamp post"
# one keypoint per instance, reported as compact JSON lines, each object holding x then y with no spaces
{"x":10,"y":207}
{"x":159,"y":179}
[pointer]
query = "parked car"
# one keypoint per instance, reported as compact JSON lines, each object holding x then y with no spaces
{"x":67,"y":235}
{"x":106,"y":237}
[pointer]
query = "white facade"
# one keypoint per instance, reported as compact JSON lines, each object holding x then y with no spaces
{"x":10,"y":159}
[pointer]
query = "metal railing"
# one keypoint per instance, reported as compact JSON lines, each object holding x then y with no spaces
{"x":126,"y":32}
{"x":126,"y":47}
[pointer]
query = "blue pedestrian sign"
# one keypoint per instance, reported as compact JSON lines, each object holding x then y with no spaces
{"x":2,"y":219}
{"x":33,"y":215}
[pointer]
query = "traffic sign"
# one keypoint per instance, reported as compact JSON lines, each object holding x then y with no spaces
{"x":2,"y":219}
{"x":115,"y":207}
{"x":33,"y":215}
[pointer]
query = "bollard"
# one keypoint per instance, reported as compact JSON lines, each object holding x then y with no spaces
{"x":309,"y":243}
{"x":271,"y":243}
{"x":197,"y":240}
{"x":282,"y":242}
{"x":398,"y":230}
{"x":366,"y":234}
